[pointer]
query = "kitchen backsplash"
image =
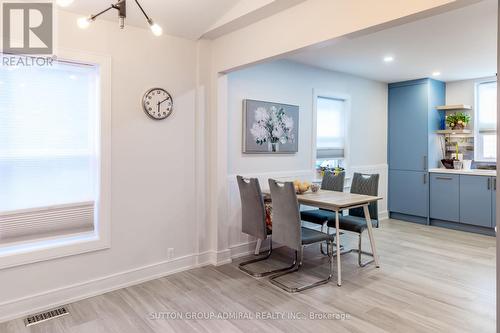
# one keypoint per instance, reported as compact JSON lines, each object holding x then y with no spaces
{"x":465,"y":147}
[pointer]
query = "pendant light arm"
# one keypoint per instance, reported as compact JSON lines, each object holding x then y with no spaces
{"x":116,"y":6}
{"x":144,"y":12}
{"x":93,"y":17}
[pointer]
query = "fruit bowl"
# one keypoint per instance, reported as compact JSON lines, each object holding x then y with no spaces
{"x":301,"y":187}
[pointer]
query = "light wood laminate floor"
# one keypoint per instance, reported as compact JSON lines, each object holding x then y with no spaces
{"x":430,"y":280}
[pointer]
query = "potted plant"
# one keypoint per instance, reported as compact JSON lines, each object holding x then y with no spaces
{"x":458,"y":121}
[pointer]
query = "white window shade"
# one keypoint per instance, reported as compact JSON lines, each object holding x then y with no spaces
{"x":48,"y":149}
{"x":487,"y":107}
{"x":486,"y":121}
{"x":330,"y":129}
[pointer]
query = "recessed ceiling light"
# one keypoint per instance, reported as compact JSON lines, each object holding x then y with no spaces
{"x":436,"y":73}
{"x":388,"y":59}
{"x":64,"y":3}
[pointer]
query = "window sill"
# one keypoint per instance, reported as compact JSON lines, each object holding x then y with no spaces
{"x":22,"y":253}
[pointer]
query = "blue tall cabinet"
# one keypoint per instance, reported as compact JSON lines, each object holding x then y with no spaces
{"x":413,"y":145}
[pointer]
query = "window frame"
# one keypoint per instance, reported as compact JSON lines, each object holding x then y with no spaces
{"x":16,"y":254}
{"x":478,"y":146}
{"x":320,"y":93}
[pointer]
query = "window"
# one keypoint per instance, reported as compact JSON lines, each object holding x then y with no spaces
{"x":486,"y":121}
{"x":49,"y":151}
{"x":330,"y":131}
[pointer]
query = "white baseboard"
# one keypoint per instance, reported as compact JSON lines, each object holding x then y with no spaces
{"x":383,"y":216}
{"x":24,"y":306}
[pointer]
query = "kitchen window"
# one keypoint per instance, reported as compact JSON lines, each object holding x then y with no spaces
{"x":52,"y":172}
{"x":330,"y":131}
{"x":486,"y":121}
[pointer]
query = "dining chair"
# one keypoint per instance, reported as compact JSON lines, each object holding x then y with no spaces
{"x":355,"y":221}
{"x":330,"y":182}
{"x":253,"y":222}
{"x":287,"y":231}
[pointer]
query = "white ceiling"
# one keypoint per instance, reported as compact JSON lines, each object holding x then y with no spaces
{"x":461,"y":44}
{"x":183,"y":18}
{"x":190,"y":19}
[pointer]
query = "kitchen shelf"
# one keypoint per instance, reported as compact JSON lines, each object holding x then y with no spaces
{"x":453,"y":107}
{"x":455,"y":132}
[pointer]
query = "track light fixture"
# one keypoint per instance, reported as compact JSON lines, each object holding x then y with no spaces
{"x":121,"y":7}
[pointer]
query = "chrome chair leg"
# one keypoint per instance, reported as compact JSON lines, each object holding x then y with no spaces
{"x":265,"y":255}
{"x":321,"y":244}
{"x":296,"y":266}
{"x":360,"y":252}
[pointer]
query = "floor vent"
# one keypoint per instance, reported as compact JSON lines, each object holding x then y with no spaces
{"x":44,"y":316}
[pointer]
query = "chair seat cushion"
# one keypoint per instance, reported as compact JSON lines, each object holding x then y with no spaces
{"x":311,"y":236}
{"x":351,"y":223}
{"x":318,"y":216}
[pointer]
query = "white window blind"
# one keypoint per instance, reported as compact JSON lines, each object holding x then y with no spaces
{"x":486,"y":121}
{"x":330,"y":129}
{"x":48,"y":150}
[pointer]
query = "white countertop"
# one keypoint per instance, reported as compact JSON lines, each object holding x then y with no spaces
{"x":473,"y":172}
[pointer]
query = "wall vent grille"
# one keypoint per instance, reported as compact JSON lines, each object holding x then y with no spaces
{"x":44,"y":316}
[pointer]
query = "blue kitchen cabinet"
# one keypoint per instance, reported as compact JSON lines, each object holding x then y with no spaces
{"x":476,"y":200}
{"x":408,"y":127}
{"x":494,"y":202}
{"x":408,"y":193}
{"x":413,"y":144}
{"x":444,"y":197}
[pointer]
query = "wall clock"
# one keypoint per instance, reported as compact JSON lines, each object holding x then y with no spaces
{"x":157,"y":103}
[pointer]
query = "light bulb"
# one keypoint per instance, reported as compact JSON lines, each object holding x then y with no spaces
{"x":64,"y":3}
{"x":156,"y":29}
{"x":388,"y":59}
{"x":84,"y":22}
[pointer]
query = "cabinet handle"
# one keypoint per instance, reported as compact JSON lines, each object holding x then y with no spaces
{"x":425,"y":178}
{"x":494,"y":180}
{"x":489,"y":183}
{"x":425,"y":162}
{"x":444,"y":178}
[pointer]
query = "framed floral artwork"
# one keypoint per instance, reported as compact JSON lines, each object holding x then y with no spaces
{"x":270,"y":128}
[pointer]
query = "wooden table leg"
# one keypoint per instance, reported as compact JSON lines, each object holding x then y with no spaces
{"x":370,"y":234}
{"x":337,"y":241}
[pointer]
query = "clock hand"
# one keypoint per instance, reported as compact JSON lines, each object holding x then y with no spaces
{"x":166,"y":99}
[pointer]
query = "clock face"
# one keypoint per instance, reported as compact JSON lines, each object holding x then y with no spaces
{"x":157,"y":103}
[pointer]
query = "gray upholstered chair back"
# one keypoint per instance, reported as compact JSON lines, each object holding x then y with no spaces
{"x":332,"y":182}
{"x":286,"y":215}
{"x":367,"y":185}
{"x":253,"y":212}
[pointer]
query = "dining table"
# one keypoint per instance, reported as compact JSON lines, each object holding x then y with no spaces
{"x":338,"y":202}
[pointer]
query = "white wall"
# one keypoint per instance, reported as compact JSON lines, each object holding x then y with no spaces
{"x":152,"y":171}
{"x":293,"y":83}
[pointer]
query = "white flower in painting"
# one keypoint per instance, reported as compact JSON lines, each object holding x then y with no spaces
{"x":259,"y":133}
{"x":288,"y":122}
{"x":261,"y":114}
{"x":274,"y":115}
{"x":278,"y":132}
{"x":272,"y":125}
